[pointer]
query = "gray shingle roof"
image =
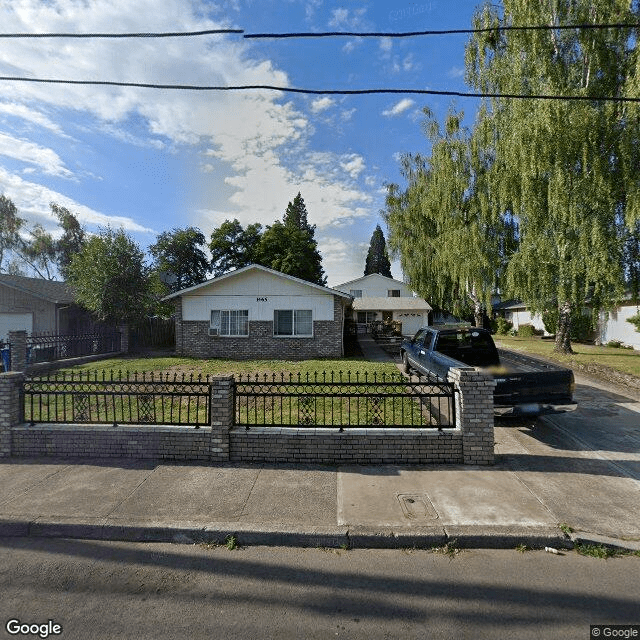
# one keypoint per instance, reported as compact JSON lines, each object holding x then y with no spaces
{"x":57,"y":292}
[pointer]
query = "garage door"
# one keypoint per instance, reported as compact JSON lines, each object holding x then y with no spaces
{"x":411,"y":322}
{"x":15,"y":322}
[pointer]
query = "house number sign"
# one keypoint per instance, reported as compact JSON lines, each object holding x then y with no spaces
{"x":262,"y":299}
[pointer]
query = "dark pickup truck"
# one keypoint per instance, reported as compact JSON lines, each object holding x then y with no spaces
{"x":524,"y":385}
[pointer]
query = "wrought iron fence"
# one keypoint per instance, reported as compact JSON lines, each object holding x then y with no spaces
{"x":49,"y":347}
{"x":344,"y":400}
{"x":117,"y":398}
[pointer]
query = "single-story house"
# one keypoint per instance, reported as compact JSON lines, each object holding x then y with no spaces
{"x":518,"y":313}
{"x":379,"y":298}
{"x":256,"y":312}
{"x":613,"y":325}
{"x":35,"y":305}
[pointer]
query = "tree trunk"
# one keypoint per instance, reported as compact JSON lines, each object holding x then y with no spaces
{"x":563,"y":332}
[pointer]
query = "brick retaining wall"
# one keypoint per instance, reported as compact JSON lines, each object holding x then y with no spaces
{"x":471,"y":442}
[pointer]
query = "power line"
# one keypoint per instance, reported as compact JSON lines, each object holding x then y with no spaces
{"x":441,"y":32}
{"x":167,"y":34}
{"x":345,"y":92}
{"x":325,"y":34}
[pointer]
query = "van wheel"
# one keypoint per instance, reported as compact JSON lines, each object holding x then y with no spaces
{"x":405,"y":364}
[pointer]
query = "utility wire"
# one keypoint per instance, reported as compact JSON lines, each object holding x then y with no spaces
{"x":168,"y":34}
{"x":410,"y":34}
{"x":326,"y":34}
{"x":344,"y":92}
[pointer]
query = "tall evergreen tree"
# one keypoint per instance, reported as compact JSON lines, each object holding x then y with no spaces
{"x":566,"y":170}
{"x":377,"y":256}
{"x":290,"y":246}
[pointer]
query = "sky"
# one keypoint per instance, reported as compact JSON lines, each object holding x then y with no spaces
{"x":151,"y":160}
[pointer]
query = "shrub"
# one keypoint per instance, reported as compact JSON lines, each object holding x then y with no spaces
{"x":526,"y":331}
{"x":502,"y":326}
{"x":614,"y":344}
{"x":635,"y":320}
{"x":582,"y":327}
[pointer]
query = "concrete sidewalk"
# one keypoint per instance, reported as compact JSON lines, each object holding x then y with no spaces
{"x":512,"y":503}
{"x":580,"y":469}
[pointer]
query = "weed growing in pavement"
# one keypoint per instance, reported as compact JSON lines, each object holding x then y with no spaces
{"x":449,"y":549}
{"x":522,"y":548}
{"x":231,"y":542}
{"x":603,"y":552}
{"x":566,"y":529}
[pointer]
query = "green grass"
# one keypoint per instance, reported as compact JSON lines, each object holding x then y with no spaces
{"x":587,"y":357}
{"x":214,"y":367}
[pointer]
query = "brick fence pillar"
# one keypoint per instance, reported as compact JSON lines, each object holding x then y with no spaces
{"x":474,"y":414}
{"x":221,"y":416}
{"x":18,"y":342}
{"x":10,"y":408}
{"x":124,"y":338}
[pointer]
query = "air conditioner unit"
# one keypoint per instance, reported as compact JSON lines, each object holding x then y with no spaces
{"x":213,"y":332}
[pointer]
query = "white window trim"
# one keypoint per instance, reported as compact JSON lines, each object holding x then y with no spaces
{"x":228,"y":335}
{"x":293,"y":327}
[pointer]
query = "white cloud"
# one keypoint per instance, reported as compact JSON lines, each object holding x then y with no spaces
{"x":386,"y":44}
{"x":353,"y":165}
{"x":322,"y":104}
{"x":25,"y":151}
{"x":348,"y":19}
{"x":456,"y":72}
{"x":400,"y":107}
{"x":32,"y":201}
{"x":260,"y":141}
{"x":31,"y":115}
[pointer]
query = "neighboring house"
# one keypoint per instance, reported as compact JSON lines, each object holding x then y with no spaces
{"x":377,"y":298}
{"x":256,"y":312}
{"x":38,"y":306}
{"x":517,"y":313}
{"x":613,"y":325}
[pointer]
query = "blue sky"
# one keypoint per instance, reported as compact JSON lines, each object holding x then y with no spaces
{"x":149,"y":160}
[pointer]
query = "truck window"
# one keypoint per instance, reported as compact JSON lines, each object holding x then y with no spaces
{"x":473,"y":348}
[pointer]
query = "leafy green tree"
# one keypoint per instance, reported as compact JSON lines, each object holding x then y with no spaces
{"x":377,"y":256}
{"x":290,"y":246}
{"x":233,"y":247}
{"x":178,"y":252}
{"x":72,"y":240}
{"x":565,"y":170}
{"x":451,"y":245}
{"x":110,"y":278}
{"x":10,"y":225}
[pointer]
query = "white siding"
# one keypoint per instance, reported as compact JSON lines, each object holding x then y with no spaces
{"x":375,"y":286}
{"x":616,"y":327}
{"x":259,"y":292}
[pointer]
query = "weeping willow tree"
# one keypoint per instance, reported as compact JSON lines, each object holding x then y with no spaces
{"x":453,"y":245}
{"x":567,"y":170}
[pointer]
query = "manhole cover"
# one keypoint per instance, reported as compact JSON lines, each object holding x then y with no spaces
{"x":416,"y":506}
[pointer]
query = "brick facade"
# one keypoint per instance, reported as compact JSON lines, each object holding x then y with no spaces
{"x":193,"y":339}
{"x":471,"y":442}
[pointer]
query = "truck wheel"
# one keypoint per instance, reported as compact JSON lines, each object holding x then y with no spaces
{"x":405,"y":364}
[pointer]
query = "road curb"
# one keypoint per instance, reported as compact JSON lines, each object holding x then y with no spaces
{"x":346,"y":537}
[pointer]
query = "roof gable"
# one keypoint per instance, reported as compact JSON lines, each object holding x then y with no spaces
{"x":245,"y":280}
{"x":50,"y":290}
{"x":368,"y":278}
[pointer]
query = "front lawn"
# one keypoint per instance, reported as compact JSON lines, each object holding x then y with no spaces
{"x":588,"y":358}
{"x":194,"y":366}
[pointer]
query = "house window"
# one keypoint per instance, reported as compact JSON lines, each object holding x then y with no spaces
{"x":356,"y":293}
{"x":288,"y":322}
{"x":230,"y":322}
{"x":393,"y":293}
{"x":366,"y":316}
